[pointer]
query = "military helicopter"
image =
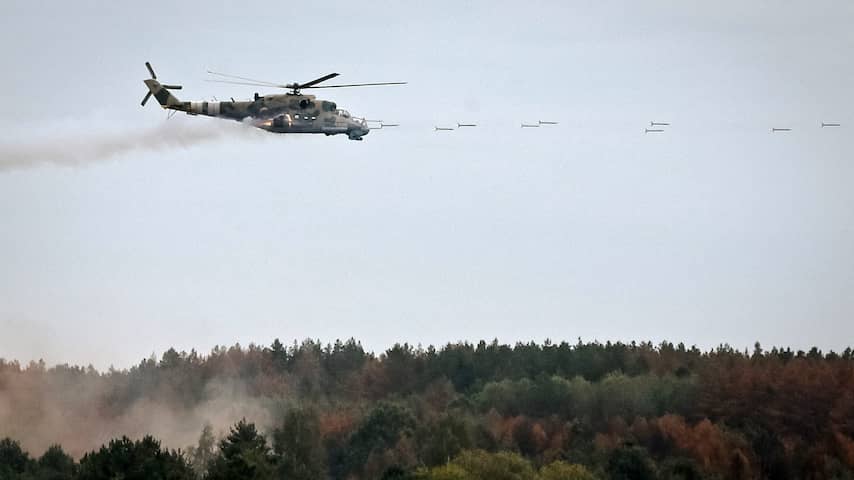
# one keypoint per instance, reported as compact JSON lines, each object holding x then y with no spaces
{"x":291,"y":112}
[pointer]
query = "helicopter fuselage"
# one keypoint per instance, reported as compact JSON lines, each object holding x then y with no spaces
{"x":286,"y":113}
{"x":281,"y":113}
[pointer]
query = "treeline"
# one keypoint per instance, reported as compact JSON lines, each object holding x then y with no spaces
{"x":527,"y":411}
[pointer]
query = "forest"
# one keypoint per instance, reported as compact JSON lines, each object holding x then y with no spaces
{"x":529,"y":411}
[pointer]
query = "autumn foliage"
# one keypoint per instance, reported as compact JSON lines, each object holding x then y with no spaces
{"x":486,"y":410}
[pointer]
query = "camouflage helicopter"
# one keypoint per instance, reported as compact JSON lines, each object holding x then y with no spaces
{"x":291,"y":112}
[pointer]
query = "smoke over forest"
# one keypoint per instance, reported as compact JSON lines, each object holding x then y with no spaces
{"x":82,"y":409}
{"x":338,"y":411}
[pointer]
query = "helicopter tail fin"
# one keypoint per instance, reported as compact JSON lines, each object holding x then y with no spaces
{"x":161,"y":92}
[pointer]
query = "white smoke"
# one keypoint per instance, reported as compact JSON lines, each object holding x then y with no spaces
{"x":87,"y":148}
{"x":39,"y":409}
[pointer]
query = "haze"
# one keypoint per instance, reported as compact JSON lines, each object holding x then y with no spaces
{"x":716,"y":231}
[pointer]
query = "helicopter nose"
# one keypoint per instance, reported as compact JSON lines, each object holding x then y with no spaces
{"x":362,"y":128}
{"x":357,"y":131}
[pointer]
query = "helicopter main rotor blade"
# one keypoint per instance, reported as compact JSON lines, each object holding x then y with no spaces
{"x":145,"y":99}
{"x":312,"y":84}
{"x":358,"y":85}
{"x":247,"y":83}
{"x":317,"y":80}
{"x":151,"y":71}
{"x":226,"y":75}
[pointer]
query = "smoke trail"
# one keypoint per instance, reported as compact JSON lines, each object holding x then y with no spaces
{"x":88,"y":149}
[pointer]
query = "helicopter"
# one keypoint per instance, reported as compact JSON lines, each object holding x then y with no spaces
{"x":291,"y":112}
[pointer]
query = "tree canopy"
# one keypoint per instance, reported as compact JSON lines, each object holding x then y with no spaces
{"x":463,"y":411}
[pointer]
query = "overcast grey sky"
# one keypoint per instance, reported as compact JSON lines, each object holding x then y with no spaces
{"x":716,"y":231}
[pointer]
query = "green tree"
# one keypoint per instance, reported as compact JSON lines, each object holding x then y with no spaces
{"x":279,"y":356}
{"x":630,"y":463}
{"x":444,"y":439}
{"x":772,"y":454}
{"x":396,"y":473}
{"x":201,"y":455}
{"x":380,"y":430}
{"x":299,"y":446}
{"x":341,"y":359}
{"x":55,"y":464}
{"x":14,"y":461}
{"x":243,"y":454}
{"x":621,"y":395}
{"x":560,"y":470}
{"x":680,"y":469}
{"x":444,"y":472}
{"x":134,"y":460}
{"x":479,"y":464}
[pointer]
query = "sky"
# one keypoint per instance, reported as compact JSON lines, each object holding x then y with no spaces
{"x":716,"y":231}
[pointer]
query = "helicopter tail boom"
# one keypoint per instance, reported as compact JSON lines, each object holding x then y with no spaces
{"x":162,"y":94}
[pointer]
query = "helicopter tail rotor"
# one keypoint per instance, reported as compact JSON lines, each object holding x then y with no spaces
{"x":151,"y":71}
{"x":153,"y":77}
{"x":160,"y":91}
